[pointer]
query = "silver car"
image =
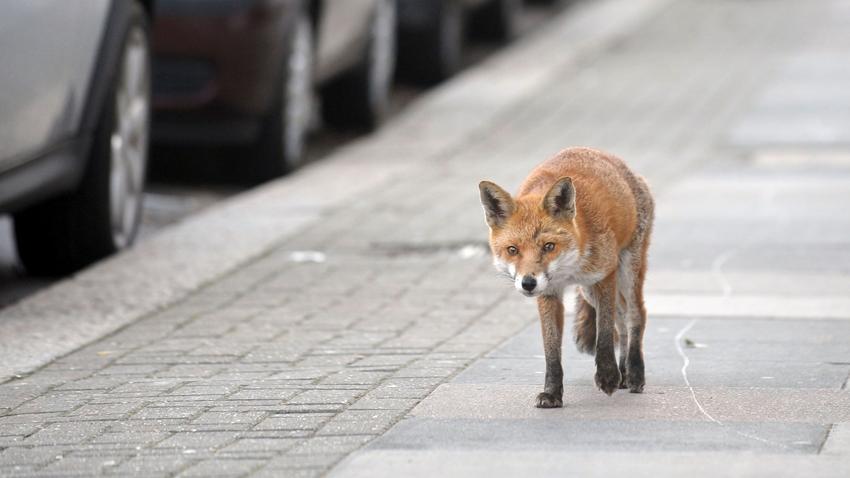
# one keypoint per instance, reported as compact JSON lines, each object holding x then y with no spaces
{"x":74,"y":124}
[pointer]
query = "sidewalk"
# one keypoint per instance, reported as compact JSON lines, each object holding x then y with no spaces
{"x":349,"y":321}
{"x":747,"y":353}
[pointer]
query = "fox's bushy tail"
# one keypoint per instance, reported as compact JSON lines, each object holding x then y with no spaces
{"x":584,"y":326}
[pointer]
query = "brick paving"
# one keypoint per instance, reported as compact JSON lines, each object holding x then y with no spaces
{"x":285,"y":366}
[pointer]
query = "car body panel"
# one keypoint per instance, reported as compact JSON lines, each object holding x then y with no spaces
{"x":220,"y":57}
{"x":342,"y":36}
{"x":217,"y":62}
{"x":46,"y":83}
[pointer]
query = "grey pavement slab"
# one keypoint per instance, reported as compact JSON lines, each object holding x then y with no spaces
{"x":673,"y":403}
{"x":597,"y":434}
{"x":484,"y":463}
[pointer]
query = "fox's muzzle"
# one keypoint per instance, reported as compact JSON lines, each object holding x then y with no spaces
{"x":530,"y":285}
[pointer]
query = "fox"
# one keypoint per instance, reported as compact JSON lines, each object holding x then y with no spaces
{"x":581,"y":218}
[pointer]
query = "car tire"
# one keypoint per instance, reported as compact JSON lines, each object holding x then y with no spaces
{"x":431,"y":46}
{"x":284,"y":129}
{"x":497,"y":20}
{"x":102,"y":215}
{"x":360,"y":98}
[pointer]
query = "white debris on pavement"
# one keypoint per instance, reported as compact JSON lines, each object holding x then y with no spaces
{"x":307,"y":256}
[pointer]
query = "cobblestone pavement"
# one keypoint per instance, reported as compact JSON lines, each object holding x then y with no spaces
{"x":290,"y":362}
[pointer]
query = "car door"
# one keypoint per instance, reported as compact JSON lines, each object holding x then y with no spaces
{"x":343,"y":30}
{"x":48,"y":49}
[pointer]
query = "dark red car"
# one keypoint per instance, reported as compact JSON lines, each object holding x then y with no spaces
{"x":253,"y":72}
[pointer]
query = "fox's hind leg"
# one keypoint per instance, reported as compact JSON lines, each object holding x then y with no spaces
{"x":584,"y":325}
{"x":620,"y":327}
{"x":631,"y":318}
{"x":635,"y":324}
{"x":630,"y":278}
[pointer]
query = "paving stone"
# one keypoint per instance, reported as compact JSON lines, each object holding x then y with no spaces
{"x":148,"y":387}
{"x":321,"y":459}
{"x":321,"y":397}
{"x":229,"y":417}
{"x":331,"y":444}
{"x":66,"y":433}
{"x":152,"y":465}
{"x":131,"y":438}
{"x":198,"y":440}
{"x":166,"y":412}
{"x":276,"y":434}
{"x":130,"y":370}
{"x":193,"y":371}
{"x":248,"y":445}
{"x":221,"y":467}
{"x":361,"y":377}
{"x":106,"y":410}
{"x":217,"y":390}
{"x":72,"y":465}
{"x":343,"y":426}
{"x":373,"y":402}
{"x":53,"y":402}
{"x":300,"y":421}
{"x":276,"y":394}
{"x":210,"y":427}
{"x":92,"y":383}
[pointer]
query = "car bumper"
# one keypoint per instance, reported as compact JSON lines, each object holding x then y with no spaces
{"x":217,"y":62}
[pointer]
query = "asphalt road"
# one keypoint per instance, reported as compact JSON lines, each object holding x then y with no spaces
{"x":184,"y":182}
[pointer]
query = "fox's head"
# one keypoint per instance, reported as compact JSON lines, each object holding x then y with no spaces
{"x":534,"y":239}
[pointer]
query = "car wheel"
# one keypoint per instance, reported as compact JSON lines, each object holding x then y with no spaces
{"x":102,"y":216}
{"x":360,"y":99}
{"x":430,"y":40}
{"x":284,"y":129}
{"x":498,"y":20}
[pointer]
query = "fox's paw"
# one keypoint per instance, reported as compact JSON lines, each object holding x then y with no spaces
{"x":607,"y":378}
{"x":635,"y":380}
{"x":548,"y":400}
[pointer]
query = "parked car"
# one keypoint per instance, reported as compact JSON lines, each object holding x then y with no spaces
{"x":432,"y":33}
{"x":250,"y":72}
{"x":74,"y":110}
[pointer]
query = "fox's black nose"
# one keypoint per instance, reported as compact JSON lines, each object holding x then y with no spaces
{"x":529,"y":283}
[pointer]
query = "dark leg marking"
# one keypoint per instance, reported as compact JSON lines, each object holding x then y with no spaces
{"x":552,"y":325}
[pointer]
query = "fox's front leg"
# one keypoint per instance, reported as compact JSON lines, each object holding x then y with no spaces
{"x":607,"y":372}
{"x":551,"y":310}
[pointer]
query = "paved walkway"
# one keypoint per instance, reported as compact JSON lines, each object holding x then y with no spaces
{"x":380,"y":323}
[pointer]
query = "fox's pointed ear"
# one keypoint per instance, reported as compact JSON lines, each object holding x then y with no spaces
{"x":560,"y":201}
{"x":497,"y":203}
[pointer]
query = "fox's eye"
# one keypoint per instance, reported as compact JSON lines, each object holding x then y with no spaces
{"x":512,"y":250}
{"x":549,"y":246}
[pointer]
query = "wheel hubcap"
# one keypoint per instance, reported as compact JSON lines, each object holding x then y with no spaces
{"x":129,"y":140}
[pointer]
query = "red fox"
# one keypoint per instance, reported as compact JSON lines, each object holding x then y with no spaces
{"x":580,"y":218}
